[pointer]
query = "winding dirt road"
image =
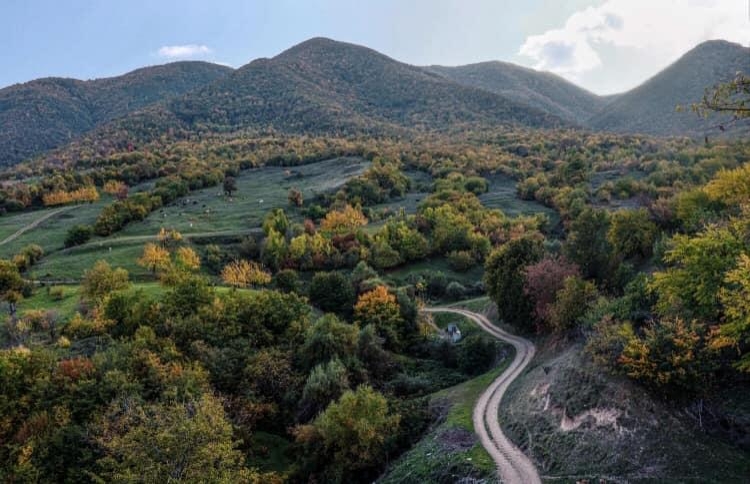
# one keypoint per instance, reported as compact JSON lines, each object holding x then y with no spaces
{"x":512,"y":465}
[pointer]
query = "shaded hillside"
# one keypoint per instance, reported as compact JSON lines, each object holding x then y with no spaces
{"x":328,"y":87}
{"x":542,"y":90}
{"x":40,"y":115}
{"x":650,"y":107}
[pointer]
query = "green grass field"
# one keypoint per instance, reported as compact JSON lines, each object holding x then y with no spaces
{"x":501,"y":194}
{"x":204,"y":212}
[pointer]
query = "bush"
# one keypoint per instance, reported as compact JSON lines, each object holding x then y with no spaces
{"x":57,"y":293}
{"x":475,"y":354}
{"x":461,"y":260}
{"x":77,"y":235}
{"x":455,"y":291}
{"x":286,"y":280}
{"x":332,"y":292}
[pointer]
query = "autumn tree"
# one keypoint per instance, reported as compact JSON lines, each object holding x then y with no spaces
{"x":187,"y":258}
{"x":670,"y":356}
{"x":155,"y":258}
{"x":101,"y":280}
{"x":734,"y":332}
{"x":690,"y":285}
{"x":542,"y":281}
{"x":243,"y":273}
{"x":347,"y":219}
{"x":276,"y":221}
{"x":380,"y":309}
{"x":169,"y":238}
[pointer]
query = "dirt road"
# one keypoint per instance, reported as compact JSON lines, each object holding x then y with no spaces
{"x":512,"y":465}
{"x":34,"y":224}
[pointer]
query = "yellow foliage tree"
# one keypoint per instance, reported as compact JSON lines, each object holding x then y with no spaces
{"x":154,"y":258}
{"x":169,"y":237}
{"x":345,"y":220}
{"x":380,"y":309}
{"x":62,"y":197}
{"x":242,"y":273}
{"x":188,"y":258}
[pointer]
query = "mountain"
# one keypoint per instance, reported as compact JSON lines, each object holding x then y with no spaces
{"x":327,"y":87}
{"x":542,"y":90}
{"x":39,"y":115}
{"x":650,"y":107}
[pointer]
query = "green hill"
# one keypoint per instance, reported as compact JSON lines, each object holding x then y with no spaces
{"x":40,"y":115}
{"x":650,"y":107}
{"x":542,"y":90}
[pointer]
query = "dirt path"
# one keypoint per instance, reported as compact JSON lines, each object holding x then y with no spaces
{"x":34,"y":224}
{"x":145,"y":238}
{"x":512,"y":465}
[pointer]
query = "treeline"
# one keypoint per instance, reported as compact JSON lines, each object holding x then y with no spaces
{"x":682,"y":329}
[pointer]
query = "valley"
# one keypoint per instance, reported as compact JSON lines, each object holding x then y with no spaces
{"x":332,"y":266}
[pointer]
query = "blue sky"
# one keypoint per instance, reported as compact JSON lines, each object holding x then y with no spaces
{"x":603,"y":45}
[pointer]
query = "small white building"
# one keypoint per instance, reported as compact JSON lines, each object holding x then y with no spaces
{"x":453,"y":332}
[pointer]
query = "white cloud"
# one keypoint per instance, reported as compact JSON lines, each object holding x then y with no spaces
{"x":183,"y":51}
{"x":657,"y":30}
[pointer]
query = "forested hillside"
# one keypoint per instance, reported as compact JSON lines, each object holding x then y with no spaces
{"x":652,"y":107}
{"x":542,"y":90}
{"x":46,"y":113}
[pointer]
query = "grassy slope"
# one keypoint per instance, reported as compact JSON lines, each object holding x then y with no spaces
{"x":201,"y":212}
{"x":646,"y":439}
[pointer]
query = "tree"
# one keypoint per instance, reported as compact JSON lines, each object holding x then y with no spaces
{"x":169,"y":238}
{"x":332,"y":292}
{"x":155,"y":258}
{"x":351,"y":435}
{"x":326,"y":383}
{"x":101,"y":280}
{"x":690,"y":286}
{"x":242,"y":273}
{"x":504,"y":279}
{"x":731,"y":97}
{"x":587,"y":245}
{"x":329,"y":339}
{"x":671,"y":355}
{"x":572,"y":301}
{"x":475,"y":354}
{"x":275,"y":249}
{"x":380,"y":309}
{"x":169,"y":442}
{"x":11,"y":285}
{"x":230,"y":185}
{"x":295,"y":197}
{"x":543,"y":280}
{"x":734,"y":332}
{"x":77,"y":235}
{"x":276,"y":221}
{"x":632,"y":233}
{"x":188,"y":259}
{"x":345,"y":220}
